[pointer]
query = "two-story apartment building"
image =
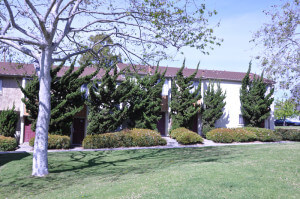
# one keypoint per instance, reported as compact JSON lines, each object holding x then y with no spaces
{"x":230,"y":82}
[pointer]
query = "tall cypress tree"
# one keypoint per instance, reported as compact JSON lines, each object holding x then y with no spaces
{"x":184,"y":106}
{"x":67,"y":99}
{"x":255,"y":103}
{"x":145,"y":103}
{"x":107,"y":103}
{"x":213,"y":105}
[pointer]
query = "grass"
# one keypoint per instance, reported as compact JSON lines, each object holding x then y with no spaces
{"x":287,"y":127}
{"x":253,"y":171}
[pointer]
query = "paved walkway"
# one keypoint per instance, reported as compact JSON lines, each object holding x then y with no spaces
{"x":171,"y":143}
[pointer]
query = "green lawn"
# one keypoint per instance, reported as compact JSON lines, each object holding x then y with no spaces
{"x":253,"y":171}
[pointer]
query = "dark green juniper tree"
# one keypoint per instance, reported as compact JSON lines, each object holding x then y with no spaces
{"x":108,"y":103}
{"x":255,"y":103}
{"x":8,"y":122}
{"x":145,"y":103}
{"x":184,"y":106}
{"x":213,"y":105}
{"x":67,"y":99}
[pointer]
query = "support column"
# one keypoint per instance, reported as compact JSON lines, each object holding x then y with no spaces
{"x":22,"y":112}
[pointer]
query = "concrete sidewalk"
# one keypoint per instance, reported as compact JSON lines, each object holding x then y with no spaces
{"x":171,"y":143}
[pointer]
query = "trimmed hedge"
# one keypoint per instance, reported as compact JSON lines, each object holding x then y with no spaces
{"x":289,"y":134}
{"x":7,"y":143}
{"x":55,"y":142}
{"x":125,"y":138}
{"x":226,"y":135}
{"x":185,"y":136}
{"x":263,"y":134}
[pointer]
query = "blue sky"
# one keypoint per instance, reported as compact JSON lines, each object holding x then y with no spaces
{"x":239,"y":19}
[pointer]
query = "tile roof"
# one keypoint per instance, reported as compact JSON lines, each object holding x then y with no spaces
{"x":27,"y":70}
{"x":205,"y":74}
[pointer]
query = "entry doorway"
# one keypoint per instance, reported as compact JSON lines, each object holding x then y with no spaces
{"x":28,"y":133}
{"x":78,"y":130}
{"x":161,"y":127}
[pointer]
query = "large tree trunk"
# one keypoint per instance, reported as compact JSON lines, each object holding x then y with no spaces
{"x":40,"y":156}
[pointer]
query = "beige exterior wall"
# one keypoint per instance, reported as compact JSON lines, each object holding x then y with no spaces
{"x":11,"y":94}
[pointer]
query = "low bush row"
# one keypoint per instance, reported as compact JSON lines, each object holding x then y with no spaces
{"x":264,"y":135}
{"x":289,"y":134}
{"x":7,"y":143}
{"x":55,"y":142}
{"x":226,"y":135}
{"x":125,"y":138}
{"x":247,"y":134}
{"x":185,"y":136}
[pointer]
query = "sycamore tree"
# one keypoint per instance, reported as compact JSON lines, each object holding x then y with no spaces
{"x":50,"y":31}
{"x":280,"y":39}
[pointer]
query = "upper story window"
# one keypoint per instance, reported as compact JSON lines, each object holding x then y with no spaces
{"x":0,"y":87}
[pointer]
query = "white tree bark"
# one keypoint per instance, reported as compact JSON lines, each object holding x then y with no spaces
{"x":40,"y":156}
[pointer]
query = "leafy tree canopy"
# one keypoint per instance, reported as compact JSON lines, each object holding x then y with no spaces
{"x":285,"y":108}
{"x":102,"y":45}
{"x":280,"y":56}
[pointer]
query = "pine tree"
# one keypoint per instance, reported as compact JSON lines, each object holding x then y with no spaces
{"x":255,"y":103}
{"x":67,"y":99}
{"x":145,"y":104}
{"x":107,"y":103}
{"x":213,"y":105}
{"x":184,"y":103}
{"x":8,"y":122}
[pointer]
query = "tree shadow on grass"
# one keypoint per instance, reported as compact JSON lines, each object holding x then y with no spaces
{"x":8,"y":157}
{"x":139,"y":161}
{"x":73,"y":167}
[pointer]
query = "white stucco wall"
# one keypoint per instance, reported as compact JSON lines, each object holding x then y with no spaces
{"x":230,"y":117}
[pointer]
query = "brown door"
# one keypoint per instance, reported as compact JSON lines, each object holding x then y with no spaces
{"x":28,"y":133}
{"x":195,"y":124}
{"x":78,"y":133}
{"x":161,"y":124}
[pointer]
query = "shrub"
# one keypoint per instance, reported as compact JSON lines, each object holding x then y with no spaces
{"x":55,"y":142}
{"x":185,"y":136}
{"x":289,"y":134}
{"x":125,"y":138}
{"x":7,"y":143}
{"x":8,"y":122}
{"x":225,"y":135}
{"x":263,"y":134}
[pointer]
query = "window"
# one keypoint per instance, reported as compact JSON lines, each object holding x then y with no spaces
{"x":0,"y":87}
{"x":241,"y":119}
